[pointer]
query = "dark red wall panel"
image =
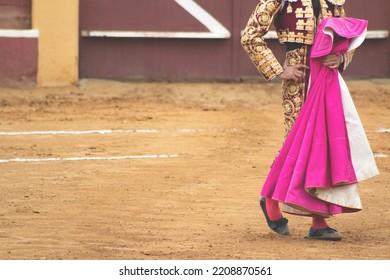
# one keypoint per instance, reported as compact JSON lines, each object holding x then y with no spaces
{"x":198,"y":58}
{"x":154,"y":58}
{"x":15,"y":14}
{"x":152,"y":15}
{"x":372,"y":59}
{"x":18,"y":61}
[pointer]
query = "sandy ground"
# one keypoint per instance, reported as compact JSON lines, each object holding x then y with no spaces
{"x":200,"y":204}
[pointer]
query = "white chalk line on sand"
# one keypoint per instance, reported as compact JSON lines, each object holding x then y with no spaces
{"x":381,"y":156}
{"x":88,"y":158}
{"x":382,"y":130}
{"x":101,"y":131}
{"x":117,"y":131}
{"x":83,"y":132}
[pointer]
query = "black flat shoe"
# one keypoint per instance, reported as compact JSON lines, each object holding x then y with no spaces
{"x":280,"y":226}
{"x":324,"y":234}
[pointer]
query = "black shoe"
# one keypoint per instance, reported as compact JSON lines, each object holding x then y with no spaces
{"x":280,"y":226}
{"x":324,"y":234}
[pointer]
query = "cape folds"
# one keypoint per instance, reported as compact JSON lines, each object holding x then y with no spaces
{"x":316,"y":156}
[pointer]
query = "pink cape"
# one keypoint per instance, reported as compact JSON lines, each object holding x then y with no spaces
{"x":316,"y":153}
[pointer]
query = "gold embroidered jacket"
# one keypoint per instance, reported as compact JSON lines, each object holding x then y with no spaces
{"x":294,"y":21}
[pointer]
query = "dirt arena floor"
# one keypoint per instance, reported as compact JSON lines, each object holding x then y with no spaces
{"x":198,"y":202}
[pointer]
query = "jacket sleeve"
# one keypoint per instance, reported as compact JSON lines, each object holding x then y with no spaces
{"x":347,"y":57}
{"x":253,"y":42}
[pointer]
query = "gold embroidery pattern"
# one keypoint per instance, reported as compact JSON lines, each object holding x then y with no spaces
{"x":299,"y":13}
{"x":293,"y":93}
{"x":253,"y":42}
{"x":342,"y":12}
{"x":298,"y":37}
{"x":337,"y":2}
{"x":289,"y":8}
{"x":305,"y":26}
{"x":325,"y":12}
{"x":309,"y":12}
{"x":348,"y":58}
{"x":308,"y":25}
{"x":304,"y":13}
